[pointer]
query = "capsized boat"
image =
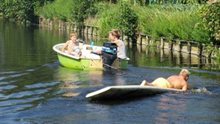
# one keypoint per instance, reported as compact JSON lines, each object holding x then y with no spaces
{"x":88,"y":59}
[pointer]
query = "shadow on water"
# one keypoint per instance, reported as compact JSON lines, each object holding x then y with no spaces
{"x":118,"y":101}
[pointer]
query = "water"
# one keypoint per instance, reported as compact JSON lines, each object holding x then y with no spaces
{"x":34,"y":88}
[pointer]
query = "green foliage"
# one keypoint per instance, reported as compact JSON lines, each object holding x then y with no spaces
{"x":218,"y":55}
{"x":211,"y":21}
{"x":128,"y":21}
{"x":107,"y":19}
{"x":120,"y":16}
{"x":171,"y":21}
{"x":57,"y":10}
{"x":179,"y":21}
{"x":1,"y":6}
{"x":69,"y":10}
{"x":147,"y":2}
{"x":81,"y":10}
{"x":20,"y":10}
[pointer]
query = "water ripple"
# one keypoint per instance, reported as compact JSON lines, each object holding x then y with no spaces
{"x":7,"y":87}
{"x":11,"y":76}
{"x":24,"y":94}
{"x":18,"y":101}
{"x":41,"y":85}
{"x":11,"y":109}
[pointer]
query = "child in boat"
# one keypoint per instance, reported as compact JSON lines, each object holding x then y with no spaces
{"x":174,"y":81}
{"x":72,"y":46}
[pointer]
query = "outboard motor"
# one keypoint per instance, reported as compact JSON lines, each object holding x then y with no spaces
{"x":109,"y":53}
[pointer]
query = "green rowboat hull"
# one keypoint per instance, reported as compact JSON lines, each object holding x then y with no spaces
{"x":85,"y":63}
{"x":81,"y":64}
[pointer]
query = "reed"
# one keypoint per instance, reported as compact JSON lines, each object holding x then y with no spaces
{"x":176,"y":21}
{"x":60,"y":9}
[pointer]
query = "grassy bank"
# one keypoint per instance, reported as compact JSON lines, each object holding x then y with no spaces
{"x":171,"y":21}
{"x":188,"y":21}
{"x":179,"y":21}
{"x":59,"y":9}
{"x":174,"y":22}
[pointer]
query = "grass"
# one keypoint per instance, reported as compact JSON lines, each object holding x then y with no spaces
{"x":171,"y":21}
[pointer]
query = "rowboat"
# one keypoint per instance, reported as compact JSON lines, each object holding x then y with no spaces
{"x":88,"y":60}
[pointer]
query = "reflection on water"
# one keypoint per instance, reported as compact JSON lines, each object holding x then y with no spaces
{"x":165,"y":105}
{"x":152,"y":56}
{"x":34,"y":88}
{"x":78,"y":76}
{"x":75,"y":79}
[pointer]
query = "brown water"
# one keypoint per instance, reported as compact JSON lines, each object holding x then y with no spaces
{"x":34,"y":88}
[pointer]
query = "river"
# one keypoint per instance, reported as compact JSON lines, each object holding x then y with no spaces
{"x":34,"y":88}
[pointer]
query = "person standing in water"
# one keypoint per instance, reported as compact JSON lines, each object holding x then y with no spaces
{"x":119,"y":53}
{"x":175,"y":81}
{"x":114,"y":37}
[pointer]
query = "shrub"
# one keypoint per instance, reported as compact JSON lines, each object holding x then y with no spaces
{"x":107,"y":19}
{"x":120,"y":16}
{"x":56,"y":10}
{"x":211,"y":22}
{"x":172,"y":21}
{"x":128,"y":21}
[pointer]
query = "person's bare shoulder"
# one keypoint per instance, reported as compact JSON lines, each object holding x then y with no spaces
{"x":172,"y":77}
{"x":68,"y":41}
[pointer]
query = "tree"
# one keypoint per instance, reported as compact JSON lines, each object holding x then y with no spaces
{"x":128,"y":22}
{"x":21,"y":10}
{"x":211,"y":21}
{"x":81,"y":10}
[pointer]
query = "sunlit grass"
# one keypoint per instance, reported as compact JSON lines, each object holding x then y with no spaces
{"x":171,"y":21}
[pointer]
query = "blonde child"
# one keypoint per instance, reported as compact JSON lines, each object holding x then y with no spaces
{"x":72,"y":46}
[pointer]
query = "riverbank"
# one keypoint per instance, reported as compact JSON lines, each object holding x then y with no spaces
{"x":188,"y":21}
{"x":174,"y":21}
{"x":189,"y":47}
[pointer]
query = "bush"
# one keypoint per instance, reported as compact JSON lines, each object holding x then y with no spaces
{"x":57,"y":10}
{"x":172,"y":21}
{"x":107,"y":18}
{"x":120,"y":16}
{"x":21,"y":10}
{"x":211,"y":22}
{"x":128,"y":21}
{"x":179,"y":21}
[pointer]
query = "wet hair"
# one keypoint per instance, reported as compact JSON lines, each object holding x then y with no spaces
{"x":73,"y":34}
{"x":184,"y":72}
{"x":115,"y":32}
